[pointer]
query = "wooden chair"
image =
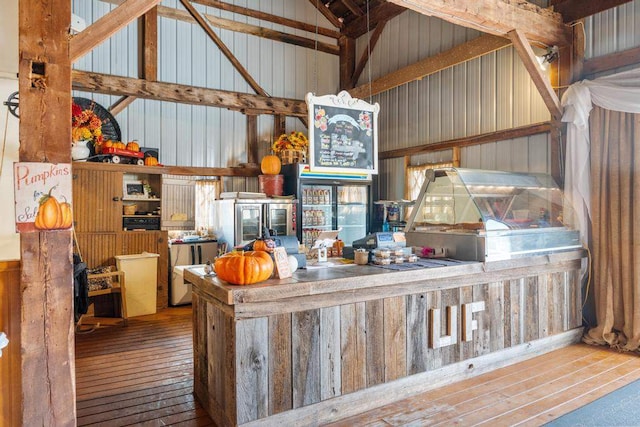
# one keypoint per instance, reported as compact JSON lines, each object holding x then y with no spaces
{"x":117,"y":288}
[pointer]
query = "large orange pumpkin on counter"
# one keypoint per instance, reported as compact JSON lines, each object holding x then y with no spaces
{"x":244,"y":268}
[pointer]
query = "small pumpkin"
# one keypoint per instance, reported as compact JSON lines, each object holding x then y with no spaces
{"x":270,"y":165}
{"x":49,"y":216}
{"x":150,"y":161}
{"x":244,"y":268}
{"x":266,"y":245}
{"x":133,"y":146}
{"x":66,"y":215}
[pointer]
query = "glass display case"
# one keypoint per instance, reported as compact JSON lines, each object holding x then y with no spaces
{"x":490,"y":215}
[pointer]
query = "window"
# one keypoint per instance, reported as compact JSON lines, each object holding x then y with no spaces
{"x":415,"y":178}
{"x":207,"y":190}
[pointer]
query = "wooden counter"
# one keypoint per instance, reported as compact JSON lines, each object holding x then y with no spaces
{"x":329,"y":343}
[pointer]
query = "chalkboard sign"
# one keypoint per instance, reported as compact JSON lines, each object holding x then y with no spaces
{"x":343,"y":134}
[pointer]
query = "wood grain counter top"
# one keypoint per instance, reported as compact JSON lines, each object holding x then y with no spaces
{"x":356,"y":282}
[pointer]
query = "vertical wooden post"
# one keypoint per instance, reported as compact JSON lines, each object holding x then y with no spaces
{"x":47,"y":340}
{"x":279,"y":125}
{"x":252,"y":139}
{"x":148,"y":49}
{"x":566,"y":70}
{"x":347,"y":61}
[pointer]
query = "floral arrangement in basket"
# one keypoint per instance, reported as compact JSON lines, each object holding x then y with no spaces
{"x":290,"y":141}
{"x":85,"y":125}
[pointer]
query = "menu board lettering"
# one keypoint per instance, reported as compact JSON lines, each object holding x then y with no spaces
{"x":342,"y":134}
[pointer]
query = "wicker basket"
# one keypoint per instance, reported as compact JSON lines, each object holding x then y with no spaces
{"x":292,"y":156}
{"x":129,"y":209}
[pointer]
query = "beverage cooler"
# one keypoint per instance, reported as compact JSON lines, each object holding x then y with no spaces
{"x":329,"y":202}
{"x":239,"y":221}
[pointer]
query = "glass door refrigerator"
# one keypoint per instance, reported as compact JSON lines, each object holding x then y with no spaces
{"x":329,"y":201}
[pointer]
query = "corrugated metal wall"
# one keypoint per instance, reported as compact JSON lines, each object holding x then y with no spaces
{"x":484,"y":95}
{"x":191,"y":135}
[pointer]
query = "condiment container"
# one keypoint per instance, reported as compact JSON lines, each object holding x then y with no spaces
{"x":361,"y":256}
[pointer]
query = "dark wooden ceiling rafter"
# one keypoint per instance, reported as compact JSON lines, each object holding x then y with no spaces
{"x":373,"y":40}
{"x":223,"y":48}
{"x":461,"y":53}
{"x":256,"y":14}
{"x":498,"y":17}
{"x":228,"y":24}
{"x":528,"y":57}
{"x":184,"y":94}
{"x":380,"y":13}
{"x":98,"y":32}
{"x":147,"y":55}
{"x":326,"y":12}
{"x":468,"y":141}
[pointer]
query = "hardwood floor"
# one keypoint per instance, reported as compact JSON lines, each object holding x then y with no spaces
{"x":142,"y":375}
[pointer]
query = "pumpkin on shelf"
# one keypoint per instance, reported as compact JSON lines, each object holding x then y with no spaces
{"x":244,"y":268}
{"x":150,"y":161}
{"x":133,"y":146}
{"x":270,"y":164}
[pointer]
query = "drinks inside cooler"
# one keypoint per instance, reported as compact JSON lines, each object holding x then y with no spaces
{"x":352,"y":212}
{"x":317,"y":211}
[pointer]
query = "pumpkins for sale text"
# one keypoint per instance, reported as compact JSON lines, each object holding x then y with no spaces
{"x":53,"y":215}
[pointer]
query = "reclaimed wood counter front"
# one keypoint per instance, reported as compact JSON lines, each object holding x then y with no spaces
{"x":329,"y":343}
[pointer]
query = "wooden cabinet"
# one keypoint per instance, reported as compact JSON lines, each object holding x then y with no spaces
{"x":98,"y":194}
{"x":97,"y":200}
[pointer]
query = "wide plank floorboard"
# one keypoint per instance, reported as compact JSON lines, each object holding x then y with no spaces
{"x":142,"y":375}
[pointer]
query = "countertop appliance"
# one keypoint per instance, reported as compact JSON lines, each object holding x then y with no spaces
{"x":239,"y":221}
{"x":481,"y":215}
{"x":187,"y":253}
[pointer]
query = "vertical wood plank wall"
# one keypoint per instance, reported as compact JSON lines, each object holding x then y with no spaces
{"x":290,"y":360}
{"x":10,"y":375}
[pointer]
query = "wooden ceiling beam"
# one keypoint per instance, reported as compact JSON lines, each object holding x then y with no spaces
{"x":228,"y":24}
{"x":497,"y":17}
{"x":468,"y":141}
{"x":184,"y":94}
{"x":522,"y":46}
{"x":611,"y":61}
{"x":353,"y":7}
{"x":223,"y":48}
{"x":98,"y":32}
{"x":120,"y":105}
{"x":256,"y":14}
{"x":456,"y":55}
{"x":363,"y":25}
{"x":319,"y":5}
{"x":373,"y":40}
{"x":573,"y":10}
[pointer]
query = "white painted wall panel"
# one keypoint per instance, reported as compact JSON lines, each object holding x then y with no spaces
{"x":613,"y":30}
{"x":205,"y":136}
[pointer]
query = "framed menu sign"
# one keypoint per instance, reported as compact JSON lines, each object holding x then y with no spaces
{"x":343,"y":133}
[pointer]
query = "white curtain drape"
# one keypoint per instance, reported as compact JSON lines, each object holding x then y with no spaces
{"x":619,"y":92}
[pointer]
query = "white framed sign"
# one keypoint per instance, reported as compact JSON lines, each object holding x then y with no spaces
{"x":43,"y":196}
{"x":343,"y":133}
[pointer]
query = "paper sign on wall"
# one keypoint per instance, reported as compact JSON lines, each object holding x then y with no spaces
{"x":43,"y":196}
